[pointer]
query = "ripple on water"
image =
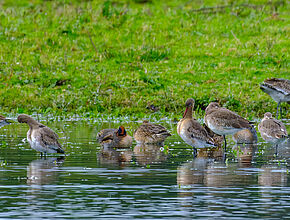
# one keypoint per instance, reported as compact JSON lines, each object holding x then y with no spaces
{"x":167,"y":184}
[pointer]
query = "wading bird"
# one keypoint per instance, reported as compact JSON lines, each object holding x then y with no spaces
{"x":278,"y":89}
{"x":246,"y":136}
{"x":40,"y":137}
{"x":191,"y":131}
{"x":272,"y":130}
{"x":223,"y":121}
{"x":149,"y":133}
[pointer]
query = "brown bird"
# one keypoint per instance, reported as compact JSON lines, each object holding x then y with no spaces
{"x":272,"y":130}
{"x":3,"y":121}
{"x":40,"y":137}
{"x":278,"y":89}
{"x":218,"y":139}
{"x":149,"y":133}
{"x":246,"y":136}
{"x":114,"y":138}
{"x":223,"y":121}
{"x":191,"y":131}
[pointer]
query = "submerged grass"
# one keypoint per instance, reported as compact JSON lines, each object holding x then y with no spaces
{"x":140,"y":57}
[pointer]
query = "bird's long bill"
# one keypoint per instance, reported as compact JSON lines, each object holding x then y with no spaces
{"x":185,"y":112}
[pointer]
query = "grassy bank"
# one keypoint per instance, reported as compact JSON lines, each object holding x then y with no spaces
{"x":133,"y":58}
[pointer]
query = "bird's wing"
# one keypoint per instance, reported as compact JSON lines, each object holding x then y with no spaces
{"x":230,"y":119}
{"x":281,"y":85}
{"x":273,"y":127}
{"x":106,"y":135}
{"x":199,"y":132}
{"x":157,"y":129}
{"x":48,"y":137}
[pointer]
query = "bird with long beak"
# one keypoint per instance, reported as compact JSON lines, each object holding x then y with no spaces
{"x":191,"y":131}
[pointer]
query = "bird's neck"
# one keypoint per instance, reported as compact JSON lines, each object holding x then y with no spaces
{"x":33,"y":124}
{"x":188,"y":112}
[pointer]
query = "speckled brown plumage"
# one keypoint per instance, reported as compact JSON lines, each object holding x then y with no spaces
{"x":278,"y":89}
{"x":280,"y":85}
{"x":149,"y":133}
{"x":106,"y":135}
{"x":246,"y":136}
{"x":223,"y":121}
{"x":218,"y":139}
{"x":272,"y":130}
{"x":41,"y":137}
{"x":191,"y":131}
{"x":114,"y":138}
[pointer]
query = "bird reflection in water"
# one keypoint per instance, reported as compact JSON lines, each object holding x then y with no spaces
{"x":43,"y":171}
{"x":271,"y":177}
{"x":215,"y":153}
{"x":149,"y":154}
{"x":191,"y":176}
{"x":274,"y":175}
{"x":245,"y":153}
{"x":209,"y":170}
{"x":192,"y":172}
{"x":117,"y":156}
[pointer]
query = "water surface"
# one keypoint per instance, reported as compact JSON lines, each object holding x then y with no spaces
{"x":150,"y":182}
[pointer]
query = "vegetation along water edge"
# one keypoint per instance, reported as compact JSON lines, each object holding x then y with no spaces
{"x":139,"y":57}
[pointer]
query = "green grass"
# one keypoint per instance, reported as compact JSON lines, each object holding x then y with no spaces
{"x":119,"y":57}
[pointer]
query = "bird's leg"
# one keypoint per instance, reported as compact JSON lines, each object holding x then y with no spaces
{"x":194,"y":152}
{"x":225,"y":149}
{"x":278,"y":110}
{"x":276,"y":150}
{"x":281,"y":111}
{"x":40,"y":154}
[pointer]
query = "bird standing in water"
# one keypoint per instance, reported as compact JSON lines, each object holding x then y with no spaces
{"x":40,"y":137}
{"x":272,"y":130}
{"x":278,"y":89}
{"x":191,"y":131}
{"x":223,"y":121}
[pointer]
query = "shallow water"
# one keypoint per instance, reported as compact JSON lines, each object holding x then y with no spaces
{"x":146,"y":183}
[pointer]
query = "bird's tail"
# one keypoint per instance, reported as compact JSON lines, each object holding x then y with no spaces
{"x":60,"y":150}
